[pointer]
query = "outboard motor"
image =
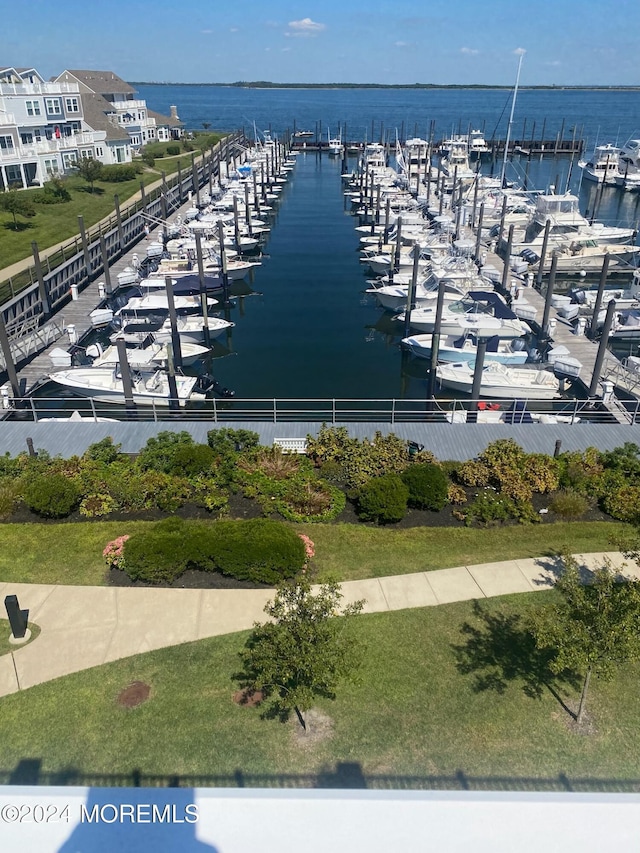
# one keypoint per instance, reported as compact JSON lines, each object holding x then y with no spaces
{"x":206,"y":383}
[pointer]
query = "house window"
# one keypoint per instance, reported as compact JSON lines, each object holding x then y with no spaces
{"x":6,"y":143}
{"x":51,"y":167}
{"x":86,"y":155}
{"x":72,"y":105}
{"x":37,"y":134}
{"x":69,"y":158}
{"x":120,"y":155}
{"x":14,"y":176}
{"x":52,"y":106}
{"x":33,"y":108}
{"x":27,"y":138}
{"x":99,"y":152}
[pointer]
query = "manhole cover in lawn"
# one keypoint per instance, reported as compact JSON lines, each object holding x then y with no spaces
{"x":133,"y":695}
{"x":248,"y":698}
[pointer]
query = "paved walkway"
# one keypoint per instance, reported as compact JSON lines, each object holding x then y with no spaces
{"x":84,"y":626}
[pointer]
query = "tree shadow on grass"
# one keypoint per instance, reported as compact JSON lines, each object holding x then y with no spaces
{"x":18,"y":226}
{"x":502,"y":650}
{"x":87,"y":189}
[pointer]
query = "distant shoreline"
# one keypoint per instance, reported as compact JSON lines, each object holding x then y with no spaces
{"x":268,"y":85}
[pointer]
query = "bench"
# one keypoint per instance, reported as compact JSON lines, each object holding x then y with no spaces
{"x":291,"y":445}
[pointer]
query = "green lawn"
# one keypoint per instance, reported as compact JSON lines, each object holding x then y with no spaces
{"x":415,"y":720}
{"x":5,"y":633}
{"x":351,"y":552}
{"x":54,"y":223}
{"x":72,"y":553}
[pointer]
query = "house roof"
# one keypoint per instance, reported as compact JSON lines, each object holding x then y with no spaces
{"x":102,"y":82}
{"x":95,"y":109}
{"x":160,"y":119}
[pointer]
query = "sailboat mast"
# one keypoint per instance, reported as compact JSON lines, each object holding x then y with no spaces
{"x":513,"y":107}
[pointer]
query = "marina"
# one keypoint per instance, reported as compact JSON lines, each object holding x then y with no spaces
{"x":302,"y":311}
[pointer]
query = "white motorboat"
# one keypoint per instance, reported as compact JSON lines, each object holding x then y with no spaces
{"x":104,"y":384}
{"x":76,"y":417}
{"x":190,"y":328}
{"x":602,"y":166}
{"x":157,"y":301}
{"x":148,"y":358}
{"x":568,"y":227}
{"x":393,"y":297}
{"x":336,"y":148}
{"x":477,"y":144}
{"x":456,"y":161}
{"x":465,"y":348}
{"x":470,"y":315}
{"x":500,"y":382}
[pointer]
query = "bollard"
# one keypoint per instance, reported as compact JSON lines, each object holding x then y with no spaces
{"x":581,"y":326}
{"x":74,"y":292}
{"x":551,"y":326}
{"x":17,"y":618}
{"x":101,"y":290}
{"x":73,"y":335}
{"x":556,"y":449}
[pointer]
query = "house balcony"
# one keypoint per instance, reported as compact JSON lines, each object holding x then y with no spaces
{"x":51,"y":146}
{"x":7,"y":120}
{"x":39,"y":89}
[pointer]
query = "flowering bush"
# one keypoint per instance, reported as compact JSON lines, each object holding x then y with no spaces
{"x":114,"y":552}
{"x":309,"y":547}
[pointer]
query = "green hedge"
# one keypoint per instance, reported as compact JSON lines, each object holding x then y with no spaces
{"x":51,"y":495}
{"x":428,"y":486}
{"x":257,"y":550}
{"x":383,"y":499}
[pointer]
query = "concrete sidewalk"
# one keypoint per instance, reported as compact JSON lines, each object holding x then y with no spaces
{"x":82,"y":626}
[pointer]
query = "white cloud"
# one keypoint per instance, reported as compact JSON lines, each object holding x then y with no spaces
{"x":554,"y":63}
{"x":206,"y":32}
{"x":469,"y":51}
{"x":305,"y":27}
{"x":285,"y":49}
{"x":234,"y":30}
{"x":400,"y":44}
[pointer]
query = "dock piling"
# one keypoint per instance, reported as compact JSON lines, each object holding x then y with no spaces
{"x":602,"y":348}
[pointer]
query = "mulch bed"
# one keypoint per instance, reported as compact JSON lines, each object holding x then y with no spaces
{"x":191,"y":579}
{"x":133,"y":695}
{"x":248,"y":698}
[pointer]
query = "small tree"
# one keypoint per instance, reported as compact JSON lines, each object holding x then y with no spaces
{"x":16,"y":204}
{"x":89,"y":169}
{"x":594,"y":628}
{"x":305,"y":652}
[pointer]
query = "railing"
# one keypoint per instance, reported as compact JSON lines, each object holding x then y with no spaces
{"x":325,"y":410}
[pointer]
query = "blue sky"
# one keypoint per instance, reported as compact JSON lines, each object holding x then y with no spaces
{"x":384,"y":41}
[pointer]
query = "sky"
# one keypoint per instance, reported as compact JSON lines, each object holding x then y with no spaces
{"x":567,"y":42}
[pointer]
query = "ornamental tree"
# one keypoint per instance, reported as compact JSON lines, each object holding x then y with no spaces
{"x":89,"y":169}
{"x":594,"y":628}
{"x":16,"y":204}
{"x":305,"y":652}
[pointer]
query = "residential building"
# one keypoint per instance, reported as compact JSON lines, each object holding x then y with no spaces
{"x":106,"y":93}
{"x":42,"y":128}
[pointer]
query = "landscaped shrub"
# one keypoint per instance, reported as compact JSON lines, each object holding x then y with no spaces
{"x":51,"y":495}
{"x":53,"y":192}
{"x":428,"y":486}
{"x":228,"y":442}
{"x":156,"y":556}
{"x":94,"y":506}
{"x":189,"y":460}
{"x":507,"y":468}
{"x":625,"y":459}
{"x":9,"y":496}
{"x":172,"y":150}
{"x":569,"y":504}
{"x":104,"y":451}
{"x":310,"y":501}
{"x":159,"y":453}
{"x":258,"y":550}
{"x":114,"y":552}
{"x":383,"y":499}
{"x":488,"y":508}
{"x":456,"y":494}
{"x":120,"y":172}
{"x":623,"y":503}
{"x":578,"y":470}
{"x":142,"y":490}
